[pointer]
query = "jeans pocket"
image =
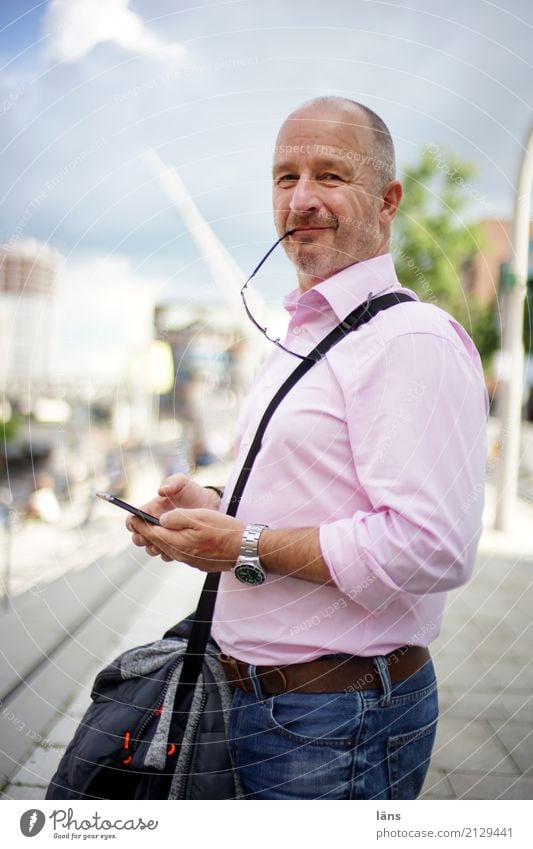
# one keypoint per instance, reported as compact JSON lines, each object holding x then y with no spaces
{"x":328,"y":719}
{"x":408,"y":758}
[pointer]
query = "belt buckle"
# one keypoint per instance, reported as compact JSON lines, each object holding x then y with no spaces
{"x":233,"y":672}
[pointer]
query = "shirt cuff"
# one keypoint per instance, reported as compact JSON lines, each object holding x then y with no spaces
{"x":353,"y":568}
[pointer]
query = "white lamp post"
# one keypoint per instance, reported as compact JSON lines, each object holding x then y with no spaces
{"x":511,"y":408}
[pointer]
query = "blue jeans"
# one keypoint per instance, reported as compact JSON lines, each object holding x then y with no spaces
{"x":365,"y":744}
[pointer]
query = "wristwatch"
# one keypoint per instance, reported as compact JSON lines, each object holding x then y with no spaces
{"x":248,"y":568}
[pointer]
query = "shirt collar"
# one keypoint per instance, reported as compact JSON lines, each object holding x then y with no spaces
{"x":347,"y":289}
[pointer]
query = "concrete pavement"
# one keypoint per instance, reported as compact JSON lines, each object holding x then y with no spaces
{"x":484,"y":746}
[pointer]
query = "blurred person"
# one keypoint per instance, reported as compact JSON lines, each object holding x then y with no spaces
{"x":364,"y":504}
{"x":42,"y":503}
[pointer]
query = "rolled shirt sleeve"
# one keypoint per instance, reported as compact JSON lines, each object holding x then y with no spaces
{"x":416,"y":414}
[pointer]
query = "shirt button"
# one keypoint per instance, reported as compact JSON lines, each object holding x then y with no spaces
{"x":297,"y":331}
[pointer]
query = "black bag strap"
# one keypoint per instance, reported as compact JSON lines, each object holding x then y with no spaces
{"x":201,"y":626}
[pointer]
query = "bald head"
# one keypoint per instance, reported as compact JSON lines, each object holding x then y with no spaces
{"x":333,"y":188}
{"x":366,"y":127}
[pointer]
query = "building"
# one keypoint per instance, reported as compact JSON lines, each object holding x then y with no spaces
{"x":481,"y":275}
{"x":28,"y":271}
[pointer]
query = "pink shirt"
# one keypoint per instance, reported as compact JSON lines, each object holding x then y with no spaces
{"x":382,"y":445}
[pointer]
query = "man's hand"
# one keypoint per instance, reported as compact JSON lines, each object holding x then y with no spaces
{"x":202,"y":538}
{"x":175,"y":491}
{"x":181,"y":491}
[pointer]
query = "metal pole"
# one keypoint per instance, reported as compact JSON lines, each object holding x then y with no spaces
{"x":5,"y":522}
{"x":511,"y":408}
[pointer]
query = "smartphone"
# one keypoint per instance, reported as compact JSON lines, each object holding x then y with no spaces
{"x":129,"y":507}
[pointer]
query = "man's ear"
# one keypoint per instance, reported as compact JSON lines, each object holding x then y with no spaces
{"x":391,"y":196}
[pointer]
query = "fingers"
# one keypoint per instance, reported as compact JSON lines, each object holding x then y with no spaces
{"x":156,"y":506}
{"x":173,"y":485}
{"x":142,"y":542}
{"x":136,"y":525}
{"x":180,"y":519}
{"x":130,"y":525}
{"x":139,"y":540}
{"x":154,"y":551}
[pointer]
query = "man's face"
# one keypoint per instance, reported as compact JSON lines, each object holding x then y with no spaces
{"x":324,"y":177}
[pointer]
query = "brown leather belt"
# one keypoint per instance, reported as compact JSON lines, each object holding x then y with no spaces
{"x":325,"y":675}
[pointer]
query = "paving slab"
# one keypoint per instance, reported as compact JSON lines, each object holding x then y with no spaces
{"x":470,"y":746}
{"x":76,"y":709}
{"x":31,"y":710}
{"x":62,"y":732}
{"x":513,"y":673}
{"x":462,"y":673}
{"x":519,"y":706}
{"x":39,"y":767}
{"x":517,"y":737}
{"x":437,"y":786}
{"x":475,"y":704}
{"x":36,"y":625}
{"x":24,"y":791}
{"x":473,"y":786}
{"x":459,"y":635}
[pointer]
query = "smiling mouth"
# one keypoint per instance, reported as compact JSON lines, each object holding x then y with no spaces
{"x":309,"y":230}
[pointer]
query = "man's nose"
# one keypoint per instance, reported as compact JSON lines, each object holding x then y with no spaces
{"x":304,"y":197}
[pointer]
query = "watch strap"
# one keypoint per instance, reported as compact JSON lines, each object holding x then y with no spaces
{"x":250,"y":540}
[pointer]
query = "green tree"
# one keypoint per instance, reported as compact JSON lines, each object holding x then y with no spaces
{"x":433,"y":241}
{"x":9,"y":429}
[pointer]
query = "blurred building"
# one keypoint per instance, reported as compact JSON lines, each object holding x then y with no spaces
{"x":482,"y":274}
{"x":487,"y":276}
{"x":28,"y":271}
{"x":209,"y":360}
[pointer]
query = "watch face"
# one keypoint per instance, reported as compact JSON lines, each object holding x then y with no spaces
{"x":248,"y":573}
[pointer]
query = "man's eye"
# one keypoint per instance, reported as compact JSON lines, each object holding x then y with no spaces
{"x":287,"y":178}
{"x":329,"y":176}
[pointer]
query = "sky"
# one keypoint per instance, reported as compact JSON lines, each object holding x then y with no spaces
{"x":87,"y":85}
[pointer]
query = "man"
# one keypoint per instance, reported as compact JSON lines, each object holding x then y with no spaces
{"x":368,"y":483}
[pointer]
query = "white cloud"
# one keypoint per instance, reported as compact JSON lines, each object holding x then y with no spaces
{"x":74,"y":27}
{"x":103,"y":314}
